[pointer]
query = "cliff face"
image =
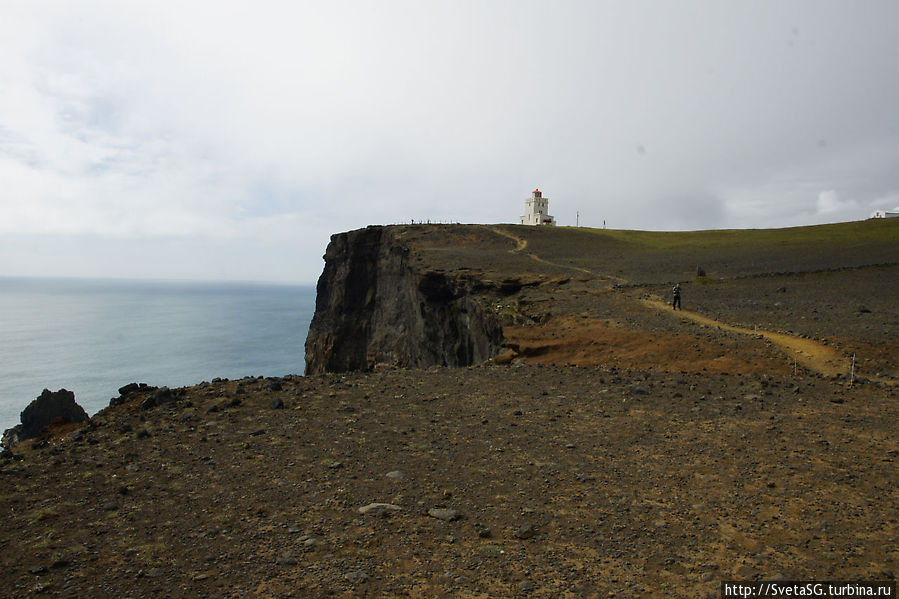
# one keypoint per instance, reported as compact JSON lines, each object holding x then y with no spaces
{"x":373,"y":307}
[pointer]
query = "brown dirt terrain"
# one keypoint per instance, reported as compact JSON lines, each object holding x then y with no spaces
{"x":621,"y":450}
{"x":567,"y":481}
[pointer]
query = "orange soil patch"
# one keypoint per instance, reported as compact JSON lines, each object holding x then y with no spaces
{"x":584,"y":341}
{"x":811,"y":354}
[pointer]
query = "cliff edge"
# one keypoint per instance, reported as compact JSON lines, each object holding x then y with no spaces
{"x":414,"y":296}
{"x":374,"y":307}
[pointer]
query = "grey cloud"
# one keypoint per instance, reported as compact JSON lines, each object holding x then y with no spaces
{"x":214,"y":120}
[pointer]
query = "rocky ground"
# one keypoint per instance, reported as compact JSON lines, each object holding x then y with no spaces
{"x":499,"y":481}
{"x":614,"y":448}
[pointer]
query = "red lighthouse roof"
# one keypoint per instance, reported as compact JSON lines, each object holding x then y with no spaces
{"x":538,"y":193}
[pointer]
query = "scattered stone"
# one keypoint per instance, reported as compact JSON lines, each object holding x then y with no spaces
{"x":287,"y":559}
{"x":483,"y":531}
{"x":335,"y":465}
{"x":275,"y":385}
{"x":525,"y":531}
{"x":357,"y":577}
{"x":445,"y":514}
{"x":37,"y":570}
{"x":396,"y":475}
{"x":153,"y":573}
{"x":378,"y":509}
{"x":276,"y":403}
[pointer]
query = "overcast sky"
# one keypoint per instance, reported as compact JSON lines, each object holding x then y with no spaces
{"x":228,"y":140}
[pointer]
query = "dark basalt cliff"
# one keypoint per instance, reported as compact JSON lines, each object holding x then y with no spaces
{"x":374,"y":307}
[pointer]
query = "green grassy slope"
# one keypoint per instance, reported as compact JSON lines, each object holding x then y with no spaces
{"x":656,"y":257}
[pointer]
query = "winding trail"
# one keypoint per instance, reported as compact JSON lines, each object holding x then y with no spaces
{"x":812,"y":355}
{"x":521,"y":244}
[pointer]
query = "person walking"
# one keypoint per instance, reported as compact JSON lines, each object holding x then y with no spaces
{"x":675,"y":300}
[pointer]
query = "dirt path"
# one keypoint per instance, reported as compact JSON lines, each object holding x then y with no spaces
{"x":810,"y":354}
{"x":521,"y":244}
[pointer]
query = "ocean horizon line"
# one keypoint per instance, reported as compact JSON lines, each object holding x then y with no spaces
{"x":92,"y":335}
{"x":157,"y":280}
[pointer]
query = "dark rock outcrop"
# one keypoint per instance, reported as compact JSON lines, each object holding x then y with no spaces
{"x":160,"y":396}
{"x":126,"y":391}
{"x":48,"y":408}
{"x":373,"y":307}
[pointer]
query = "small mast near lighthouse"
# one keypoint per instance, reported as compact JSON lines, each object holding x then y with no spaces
{"x":536,"y":210}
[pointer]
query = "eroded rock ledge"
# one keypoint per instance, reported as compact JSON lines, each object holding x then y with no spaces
{"x":374,"y":307}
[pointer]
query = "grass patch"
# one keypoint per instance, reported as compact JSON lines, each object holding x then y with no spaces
{"x":839,"y":234}
{"x":153,"y":554}
{"x":492,"y":550}
{"x":42,"y":514}
{"x":48,"y":542}
{"x":705,"y":280}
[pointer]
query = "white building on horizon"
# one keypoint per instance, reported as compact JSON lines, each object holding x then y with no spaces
{"x":894,"y":213}
{"x":536,"y":210}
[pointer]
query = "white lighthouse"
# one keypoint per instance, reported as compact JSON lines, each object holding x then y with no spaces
{"x":536,"y":210}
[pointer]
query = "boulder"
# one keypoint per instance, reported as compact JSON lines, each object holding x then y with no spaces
{"x":445,"y":514}
{"x":159,"y":397}
{"x":129,"y":388}
{"x":126,"y":391}
{"x":47,"y":408}
{"x":378,"y":509}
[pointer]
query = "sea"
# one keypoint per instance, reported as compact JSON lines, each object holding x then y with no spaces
{"x":94,"y":336}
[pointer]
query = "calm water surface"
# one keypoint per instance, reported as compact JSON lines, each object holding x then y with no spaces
{"x":93,"y":336}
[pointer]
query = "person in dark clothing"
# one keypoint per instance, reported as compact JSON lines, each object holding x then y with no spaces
{"x":675,"y":300}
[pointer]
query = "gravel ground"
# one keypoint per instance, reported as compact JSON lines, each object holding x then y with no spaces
{"x":507,"y":481}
